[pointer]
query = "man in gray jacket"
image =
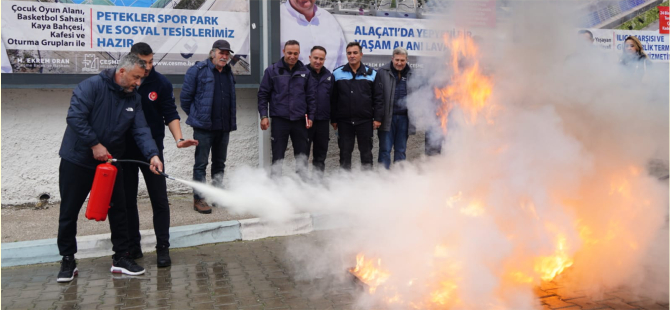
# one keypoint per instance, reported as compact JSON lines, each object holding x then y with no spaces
{"x":394,"y":131}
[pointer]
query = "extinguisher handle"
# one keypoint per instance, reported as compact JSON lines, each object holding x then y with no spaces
{"x":109,"y":158}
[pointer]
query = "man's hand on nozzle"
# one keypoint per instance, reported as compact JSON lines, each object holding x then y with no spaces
{"x":100,"y":152}
{"x":156,"y":165}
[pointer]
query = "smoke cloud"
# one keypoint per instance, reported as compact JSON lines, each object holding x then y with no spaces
{"x":562,"y":164}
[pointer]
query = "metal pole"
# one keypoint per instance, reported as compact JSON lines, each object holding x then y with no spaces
{"x":264,"y":148}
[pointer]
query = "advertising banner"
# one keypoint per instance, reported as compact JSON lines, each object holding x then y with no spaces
{"x":378,"y":35}
{"x":655,"y":45}
{"x":664,"y":19}
{"x":76,"y":38}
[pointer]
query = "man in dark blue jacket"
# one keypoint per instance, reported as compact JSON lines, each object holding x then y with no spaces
{"x":102,"y":110}
{"x":208,"y":98}
{"x":159,"y":110}
{"x":319,"y":134}
{"x":356,"y":107}
{"x":288,"y":88}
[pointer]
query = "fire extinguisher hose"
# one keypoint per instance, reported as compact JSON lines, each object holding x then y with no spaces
{"x":140,"y":162}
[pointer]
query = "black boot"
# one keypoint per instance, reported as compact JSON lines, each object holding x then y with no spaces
{"x":163,"y":256}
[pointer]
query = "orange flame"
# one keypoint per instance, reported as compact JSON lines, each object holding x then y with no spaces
{"x":551,"y":266}
{"x":369,"y":273}
{"x":469,"y":88}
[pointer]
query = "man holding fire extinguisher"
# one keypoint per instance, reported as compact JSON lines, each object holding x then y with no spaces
{"x":102,"y":110}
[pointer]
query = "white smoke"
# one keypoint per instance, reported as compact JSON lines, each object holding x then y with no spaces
{"x":565,"y":154}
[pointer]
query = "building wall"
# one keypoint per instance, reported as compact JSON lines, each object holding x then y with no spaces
{"x":33,"y":123}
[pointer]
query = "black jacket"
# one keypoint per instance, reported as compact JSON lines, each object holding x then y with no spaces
{"x":290,"y":94}
{"x":101,"y":112}
{"x":159,"y":109}
{"x":324,"y":86}
{"x":357,"y":96}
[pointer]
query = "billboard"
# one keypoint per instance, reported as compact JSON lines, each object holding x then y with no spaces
{"x":87,"y":36}
{"x":379,"y":34}
{"x":655,"y":45}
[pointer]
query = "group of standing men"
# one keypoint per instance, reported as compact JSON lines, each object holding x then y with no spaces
{"x":354,"y":99}
{"x":121,"y":113}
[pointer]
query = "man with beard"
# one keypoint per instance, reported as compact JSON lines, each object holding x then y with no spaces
{"x":288,"y":89}
{"x":103,"y":109}
{"x":208,"y":98}
{"x":356,"y":107}
{"x":159,"y":110}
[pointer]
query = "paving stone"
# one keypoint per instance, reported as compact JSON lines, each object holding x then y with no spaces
{"x":617,"y":304}
{"x":627,"y":297}
{"x":587,"y":304}
{"x":225,"y":299}
{"x":42,"y":304}
{"x":556,"y":303}
{"x":649,"y":305}
{"x":566,"y":294}
{"x":227,"y":307}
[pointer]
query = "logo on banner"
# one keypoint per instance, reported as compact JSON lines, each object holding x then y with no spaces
{"x":153,"y":96}
{"x":91,"y":63}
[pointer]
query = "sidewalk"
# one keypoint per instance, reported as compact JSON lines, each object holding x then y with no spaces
{"x":34,"y":224}
{"x":233,"y":275}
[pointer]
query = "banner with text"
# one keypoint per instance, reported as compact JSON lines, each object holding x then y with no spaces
{"x":377,"y":35}
{"x":69,"y":38}
{"x":655,"y":45}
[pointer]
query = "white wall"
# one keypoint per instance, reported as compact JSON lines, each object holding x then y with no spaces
{"x":33,"y":123}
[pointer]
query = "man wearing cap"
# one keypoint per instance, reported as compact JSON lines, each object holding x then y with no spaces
{"x":208,"y":98}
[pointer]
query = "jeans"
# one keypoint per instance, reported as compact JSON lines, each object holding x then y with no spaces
{"x":75,"y":183}
{"x":319,"y":136}
{"x":157,"y":188}
{"x":217,"y":142}
{"x":280,"y":130}
{"x":348,"y":133}
{"x":395,"y":138}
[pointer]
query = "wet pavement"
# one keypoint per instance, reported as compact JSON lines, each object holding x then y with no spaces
{"x":234,"y":275}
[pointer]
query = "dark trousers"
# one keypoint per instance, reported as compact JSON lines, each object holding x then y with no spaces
{"x":319,"y":136}
{"x":75,"y":183}
{"x":217,"y":142}
{"x":157,"y":189}
{"x":395,"y":139}
{"x":280,"y":130}
{"x":347,"y":132}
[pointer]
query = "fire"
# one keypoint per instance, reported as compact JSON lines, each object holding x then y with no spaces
{"x":469,"y":88}
{"x":470,"y":91}
{"x":369,"y":273}
{"x":551,"y":266}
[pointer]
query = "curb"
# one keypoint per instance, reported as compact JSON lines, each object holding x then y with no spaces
{"x":46,"y":250}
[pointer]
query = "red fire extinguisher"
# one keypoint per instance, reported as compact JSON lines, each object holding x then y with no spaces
{"x":101,"y":192}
